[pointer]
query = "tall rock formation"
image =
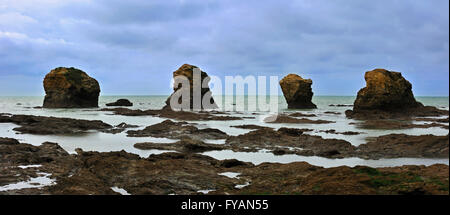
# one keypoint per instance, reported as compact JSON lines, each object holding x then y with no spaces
{"x":187,"y":71}
{"x":70,"y":88}
{"x":297,"y":92}
{"x":385,"y":90}
{"x":388,"y":95}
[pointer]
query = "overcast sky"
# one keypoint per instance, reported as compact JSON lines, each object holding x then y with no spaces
{"x":132,"y":47}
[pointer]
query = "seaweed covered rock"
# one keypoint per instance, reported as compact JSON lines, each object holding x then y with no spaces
{"x":70,"y":88}
{"x":297,"y":92}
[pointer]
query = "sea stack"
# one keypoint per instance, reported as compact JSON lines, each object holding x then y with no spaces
{"x":385,"y":90}
{"x":70,"y":88}
{"x":297,"y":92}
{"x":388,"y":95}
{"x":187,"y":71}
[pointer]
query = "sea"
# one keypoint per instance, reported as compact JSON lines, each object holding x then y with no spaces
{"x":104,"y":142}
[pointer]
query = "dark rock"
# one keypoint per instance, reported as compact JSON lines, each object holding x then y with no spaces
{"x":299,"y":114}
{"x":332,"y":131}
{"x":395,"y":124}
{"x":70,"y":88}
{"x":120,"y":102}
{"x":293,"y":131}
{"x":187,"y":71}
{"x":229,"y":163}
{"x":332,"y":112}
{"x":186,"y":145}
{"x":248,"y":126}
{"x":297,"y":92}
{"x":167,"y":112}
{"x":281,"y":118}
{"x":301,"y":144}
{"x":402,"y":145}
{"x":8,"y":141}
{"x":52,"y":125}
{"x":176,"y":130}
{"x":94,"y":173}
{"x":340,"y":105}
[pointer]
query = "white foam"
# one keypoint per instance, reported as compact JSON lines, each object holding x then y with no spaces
{"x":230,"y":174}
{"x":38,"y":182}
{"x":120,"y":190}
{"x":30,"y":166}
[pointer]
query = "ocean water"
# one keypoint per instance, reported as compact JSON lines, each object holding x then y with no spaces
{"x":97,"y":141}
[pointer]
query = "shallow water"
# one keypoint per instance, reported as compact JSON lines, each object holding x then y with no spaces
{"x":103,"y":142}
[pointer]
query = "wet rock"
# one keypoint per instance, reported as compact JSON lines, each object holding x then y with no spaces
{"x":130,"y":112}
{"x":332,"y":131}
{"x":120,"y":102}
{"x":166,"y":112}
{"x":299,"y":114}
{"x":297,"y":92}
{"x":193,"y":116}
{"x":52,"y":125}
{"x":301,"y":178}
{"x":8,"y":141}
{"x":293,"y":131}
{"x":292,"y":141}
{"x":394,"y":124}
{"x":125,"y":125}
{"x":119,"y":128}
{"x":186,"y":145}
{"x":177,"y":130}
{"x":402,"y":145}
{"x":388,"y":95}
{"x":187,"y":71}
{"x":248,"y":126}
{"x":332,"y":112}
{"x":94,"y":173}
{"x":160,"y":174}
{"x":340,"y":105}
{"x":440,"y":120}
{"x":281,"y":118}
{"x":70,"y":88}
{"x":229,"y":163}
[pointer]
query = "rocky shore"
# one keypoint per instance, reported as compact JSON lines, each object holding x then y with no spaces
{"x":189,"y":173}
{"x":291,"y":141}
{"x":29,"y":124}
{"x":387,"y":102}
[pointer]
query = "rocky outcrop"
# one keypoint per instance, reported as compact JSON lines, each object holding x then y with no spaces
{"x":297,"y":92}
{"x":169,"y":113}
{"x":388,"y":95}
{"x":97,"y":173}
{"x":290,"y":141}
{"x":29,"y":124}
{"x":70,"y":88}
{"x":402,"y":145}
{"x":185,"y":145}
{"x":385,"y":90}
{"x":175,"y":130}
{"x":282,"y":118}
{"x":187,"y":71}
{"x":120,"y":102}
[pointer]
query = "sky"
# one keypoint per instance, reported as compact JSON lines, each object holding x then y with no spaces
{"x":132,"y":47}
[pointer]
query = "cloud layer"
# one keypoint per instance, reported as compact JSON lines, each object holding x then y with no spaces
{"x":132,"y":46}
